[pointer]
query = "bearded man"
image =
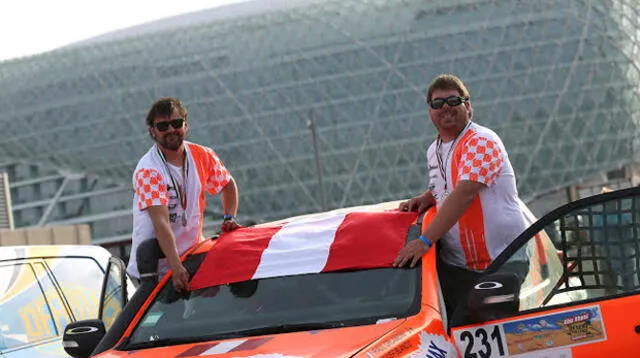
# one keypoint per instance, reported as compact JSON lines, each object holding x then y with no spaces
{"x":169,"y":184}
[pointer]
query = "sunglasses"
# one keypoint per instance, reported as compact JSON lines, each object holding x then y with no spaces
{"x":452,"y":101}
{"x":176,"y":124}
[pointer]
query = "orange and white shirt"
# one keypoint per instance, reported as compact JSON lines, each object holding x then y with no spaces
{"x":494,"y":218}
{"x":154,"y":183}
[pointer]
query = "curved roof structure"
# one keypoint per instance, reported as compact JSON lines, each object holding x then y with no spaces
{"x":320,"y":104}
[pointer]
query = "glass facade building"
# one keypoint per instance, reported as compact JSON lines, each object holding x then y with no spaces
{"x":320,"y":104}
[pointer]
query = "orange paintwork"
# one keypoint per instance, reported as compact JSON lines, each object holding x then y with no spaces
{"x":620,"y":319}
{"x":327,"y":343}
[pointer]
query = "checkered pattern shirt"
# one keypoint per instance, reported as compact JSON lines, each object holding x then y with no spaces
{"x":494,"y":218}
{"x":153,"y":186}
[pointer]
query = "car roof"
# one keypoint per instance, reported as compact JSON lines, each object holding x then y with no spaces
{"x":39,"y":251}
{"x":384,"y":206}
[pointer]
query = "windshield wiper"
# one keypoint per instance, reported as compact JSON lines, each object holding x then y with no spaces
{"x":281,"y":328}
{"x":162,"y":343}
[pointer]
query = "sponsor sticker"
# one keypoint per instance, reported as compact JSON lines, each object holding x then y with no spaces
{"x":399,"y":341}
{"x":434,"y":346}
{"x":553,"y":353}
{"x":549,"y":335}
{"x":482,"y":341}
{"x":563,"y":329}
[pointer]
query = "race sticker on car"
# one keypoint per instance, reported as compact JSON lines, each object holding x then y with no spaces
{"x":551,"y":335}
{"x":483,"y":342}
{"x":563,"y":329}
{"x":549,"y":353}
{"x":433,"y":345}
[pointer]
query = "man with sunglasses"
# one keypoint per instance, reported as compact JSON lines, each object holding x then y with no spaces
{"x":170,"y":181}
{"x":474,"y":210}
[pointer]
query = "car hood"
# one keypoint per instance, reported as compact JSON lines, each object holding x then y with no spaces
{"x":336,"y":342}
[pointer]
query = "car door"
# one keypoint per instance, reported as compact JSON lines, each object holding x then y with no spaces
{"x":575,"y":292}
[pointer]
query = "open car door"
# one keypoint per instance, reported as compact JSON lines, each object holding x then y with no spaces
{"x":567,"y":287}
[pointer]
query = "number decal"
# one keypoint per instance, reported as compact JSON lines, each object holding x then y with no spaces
{"x":467,"y":336}
{"x":482,"y":334}
{"x":481,"y":342}
{"x":496,"y":336}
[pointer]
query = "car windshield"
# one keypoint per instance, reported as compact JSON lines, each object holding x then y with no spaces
{"x":275,"y":305}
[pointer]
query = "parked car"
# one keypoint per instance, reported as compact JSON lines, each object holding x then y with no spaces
{"x":44,"y":288}
{"x":563,"y":307}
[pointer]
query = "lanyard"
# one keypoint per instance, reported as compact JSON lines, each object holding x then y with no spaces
{"x":442,"y":165}
{"x":181,"y":190}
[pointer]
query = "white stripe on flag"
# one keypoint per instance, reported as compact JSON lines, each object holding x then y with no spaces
{"x":223,"y":347}
{"x":300,"y":247}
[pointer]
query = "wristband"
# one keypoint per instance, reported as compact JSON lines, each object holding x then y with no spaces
{"x":426,"y":241}
{"x":228,"y":217}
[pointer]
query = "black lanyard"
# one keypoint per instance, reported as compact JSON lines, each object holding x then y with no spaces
{"x":181,"y":190}
{"x":442,"y":165}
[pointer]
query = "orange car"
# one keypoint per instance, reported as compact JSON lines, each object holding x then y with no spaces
{"x":289,"y":289}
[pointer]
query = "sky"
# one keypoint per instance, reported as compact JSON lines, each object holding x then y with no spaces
{"x":30,"y":27}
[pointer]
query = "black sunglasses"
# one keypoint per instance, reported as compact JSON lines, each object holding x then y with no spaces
{"x":176,"y":124}
{"x":452,"y":101}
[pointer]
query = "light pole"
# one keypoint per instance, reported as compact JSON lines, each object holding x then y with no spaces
{"x":311,"y":123}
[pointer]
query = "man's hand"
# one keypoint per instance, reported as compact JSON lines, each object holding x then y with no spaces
{"x":229,"y":225}
{"x":412,"y":252}
{"x":180,"y":278}
{"x":419,"y":203}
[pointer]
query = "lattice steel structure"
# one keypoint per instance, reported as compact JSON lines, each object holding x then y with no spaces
{"x":321,"y":103}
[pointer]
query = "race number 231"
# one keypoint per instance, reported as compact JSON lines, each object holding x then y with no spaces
{"x":481,"y":342}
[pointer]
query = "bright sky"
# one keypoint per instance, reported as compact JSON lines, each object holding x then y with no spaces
{"x":33,"y":26}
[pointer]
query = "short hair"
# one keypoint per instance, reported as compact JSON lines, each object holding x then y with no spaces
{"x":163,"y":108}
{"x":445,"y":82}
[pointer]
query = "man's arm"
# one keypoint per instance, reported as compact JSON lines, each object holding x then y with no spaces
{"x":448,"y":214}
{"x":230,"y":198}
{"x":452,"y":209}
{"x":221,"y":181}
{"x":230,"y":205}
{"x":160,"y":219}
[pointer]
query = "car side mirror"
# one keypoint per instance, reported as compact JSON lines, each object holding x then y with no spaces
{"x":493,"y":296}
{"x":80,"y":338}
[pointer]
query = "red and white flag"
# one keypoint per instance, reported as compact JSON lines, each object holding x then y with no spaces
{"x":321,"y":243}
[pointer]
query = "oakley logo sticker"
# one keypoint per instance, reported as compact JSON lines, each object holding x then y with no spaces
{"x":488,"y":285}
